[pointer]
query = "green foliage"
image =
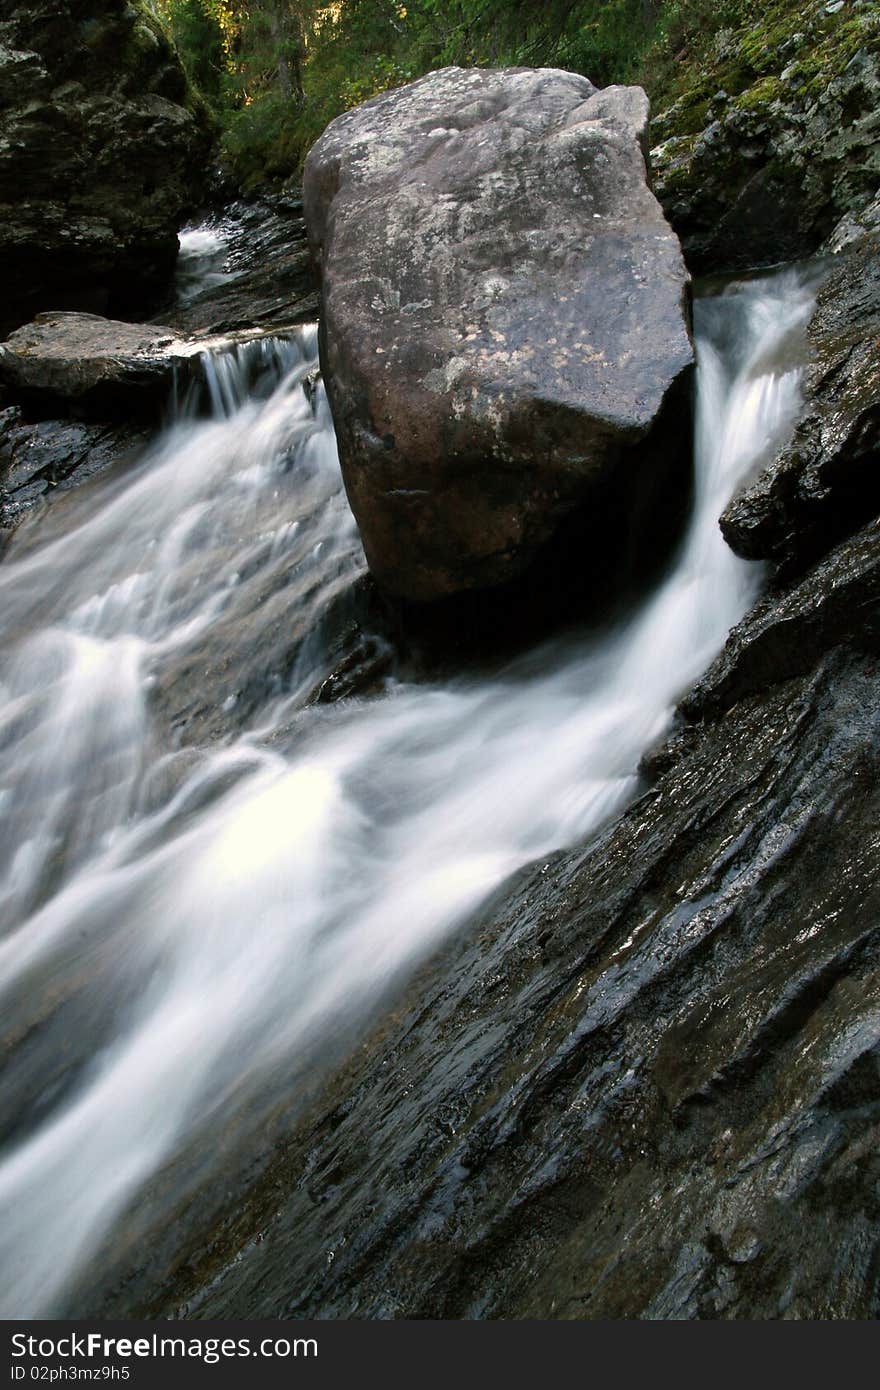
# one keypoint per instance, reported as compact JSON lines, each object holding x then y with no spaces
{"x":353,"y":50}
{"x":202,"y":31}
{"x":199,"y":40}
{"x":601,"y":38}
{"x":276,"y":71}
{"x":259,"y":140}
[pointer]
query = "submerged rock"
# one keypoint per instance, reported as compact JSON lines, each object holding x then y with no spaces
{"x":827,"y":482}
{"x":504,"y":334}
{"x":101,"y":151}
{"x":94,"y":364}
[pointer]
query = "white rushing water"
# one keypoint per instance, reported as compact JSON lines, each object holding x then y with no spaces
{"x":180,"y":925}
{"x":201,"y":262}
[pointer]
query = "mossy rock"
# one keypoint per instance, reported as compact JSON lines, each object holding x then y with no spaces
{"x":792,"y":146}
{"x":761,"y":95}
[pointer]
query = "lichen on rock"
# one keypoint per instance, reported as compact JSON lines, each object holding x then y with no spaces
{"x":503,"y":322}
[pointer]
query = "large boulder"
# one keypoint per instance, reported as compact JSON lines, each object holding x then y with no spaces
{"x":101,"y":151}
{"x":503,"y":322}
{"x":827,"y":482}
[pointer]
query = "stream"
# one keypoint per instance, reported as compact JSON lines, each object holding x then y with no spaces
{"x":185,"y":923}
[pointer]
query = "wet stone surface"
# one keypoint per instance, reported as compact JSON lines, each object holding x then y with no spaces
{"x":263,"y":274}
{"x":94,"y":366}
{"x":646,"y":1085}
{"x":46,"y":456}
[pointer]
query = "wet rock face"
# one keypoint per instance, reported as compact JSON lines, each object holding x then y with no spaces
{"x":827,"y":482}
{"x":40,"y":457}
{"x":788,"y":632}
{"x":99,"y":155}
{"x":503,"y":320}
{"x":80,"y":393}
{"x":91,"y":364}
{"x":647,"y":1084}
{"x":266,"y":282}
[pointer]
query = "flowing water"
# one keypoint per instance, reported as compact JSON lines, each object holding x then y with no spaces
{"x":183,"y":922}
{"x":201,"y":262}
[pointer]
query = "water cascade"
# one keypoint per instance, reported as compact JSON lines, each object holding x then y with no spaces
{"x":186,"y":919}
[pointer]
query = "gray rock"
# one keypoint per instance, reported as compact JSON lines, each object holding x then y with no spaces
{"x":93,"y":364}
{"x":645,"y":1084}
{"x":19,"y":68}
{"x":838,"y":602}
{"x":269,"y":284}
{"x":853,"y":226}
{"x":503,"y":320}
{"x":827,"y":482}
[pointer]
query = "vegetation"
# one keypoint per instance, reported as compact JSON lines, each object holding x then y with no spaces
{"x":276,"y":71}
{"x":777,"y":52}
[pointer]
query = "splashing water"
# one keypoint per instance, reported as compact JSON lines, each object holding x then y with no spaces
{"x":201,"y":262}
{"x":181,"y":926}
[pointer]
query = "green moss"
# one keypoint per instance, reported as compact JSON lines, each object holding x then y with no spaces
{"x":690,"y":114}
{"x":746,"y":59}
{"x":679,"y":173}
{"x":760,"y":96}
{"x":819,"y":65}
{"x":734,"y":77}
{"x":147,"y":29}
{"x":151,"y":54}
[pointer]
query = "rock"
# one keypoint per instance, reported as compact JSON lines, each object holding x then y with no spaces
{"x":504,"y":337}
{"x":763,"y":176}
{"x":249,"y":656}
{"x":102,"y":150}
{"x":93,"y":365}
{"x":645,"y":1085}
{"x":38,"y":458}
{"x":853,"y":227}
{"x":646,"y":1082}
{"x":836,"y":603}
{"x":827,"y":482}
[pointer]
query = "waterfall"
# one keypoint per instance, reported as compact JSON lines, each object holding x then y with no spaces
{"x":186,"y":922}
